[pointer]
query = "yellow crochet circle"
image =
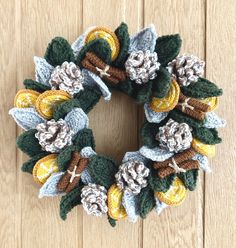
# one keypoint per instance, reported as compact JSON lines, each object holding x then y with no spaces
{"x":168,"y":102}
{"x":212,"y":102}
{"x":44,"y":168}
{"x":25,"y":98}
{"x":204,"y":149}
{"x":175,"y":195}
{"x":48,"y":100}
{"x":109,"y":36}
{"x":115,"y":209}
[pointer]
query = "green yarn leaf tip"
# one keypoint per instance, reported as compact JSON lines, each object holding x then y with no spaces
{"x":142,"y":93}
{"x":146,"y":201}
{"x":203,"y":88}
{"x":100,"y":47}
{"x":28,"y":143}
{"x":207,"y":135}
{"x":189,"y":179}
{"x":126,"y":87}
{"x":124,"y":40}
{"x":84,"y":138}
{"x":69,"y":201}
{"x":161,"y":84}
{"x":102,"y":170}
{"x":29,"y":165}
{"x":33,"y":85}
{"x":59,"y":51}
{"x":88,"y":98}
{"x":111,"y":221}
{"x":64,"y":157}
{"x":167,"y":48}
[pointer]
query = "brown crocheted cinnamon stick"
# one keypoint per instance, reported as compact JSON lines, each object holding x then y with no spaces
{"x":196,"y":114}
{"x":179,"y":158}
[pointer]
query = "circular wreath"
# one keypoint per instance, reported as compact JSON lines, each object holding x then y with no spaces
{"x":178,"y":135}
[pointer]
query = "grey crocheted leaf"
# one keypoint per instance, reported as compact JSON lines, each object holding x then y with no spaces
{"x":93,"y":80}
{"x":77,"y":120}
{"x":80,"y":41}
{"x":130,"y":203}
{"x":152,"y":116}
{"x":144,"y":40}
{"x":87,"y":152}
{"x":155,"y":154}
{"x":43,"y":70}
{"x":137,"y":156}
{"x":49,"y":188}
{"x":160,"y":206}
{"x":203,"y":161}
{"x":212,"y":120}
{"x":26,"y":118}
{"x":86,"y":177}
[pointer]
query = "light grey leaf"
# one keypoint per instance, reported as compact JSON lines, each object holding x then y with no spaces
{"x":203,"y":161}
{"x":130,"y":203}
{"x":152,"y":116}
{"x":86,"y":177}
{"x":87,"y":152}
{"x":160,"y":206}
{"x":134,"y":156}
{"x":212,"y":120}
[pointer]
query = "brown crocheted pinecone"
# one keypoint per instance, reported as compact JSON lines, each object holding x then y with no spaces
{"x":141,"y":66}
{"x":67,"y":77}
{"x":54,"y":135}
{"x":175,"y":136}
{"x":186,"y":69}
{"x":93,"y":198}
{"x":132,"y":176}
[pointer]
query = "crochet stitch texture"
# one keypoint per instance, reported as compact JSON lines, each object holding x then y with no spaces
{"x":179,"y":133}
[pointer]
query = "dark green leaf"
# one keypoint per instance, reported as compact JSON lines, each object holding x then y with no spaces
{"x":33,"y":85}
{"x":64,"y":157}
{"x":84,"y":138}
{"x":206,"y":135}
{"x":189,"y":179}
{"x":111,"y":221}
{"x":142,"y":93}
{"x":127,"y":87}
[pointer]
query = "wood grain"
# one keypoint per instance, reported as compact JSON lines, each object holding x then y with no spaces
{"x":207,"y":217}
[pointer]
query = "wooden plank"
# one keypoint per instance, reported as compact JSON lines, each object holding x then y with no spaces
{"x":182,"y":226}
{"x":114,"y":125}
{"x":220,"y":193}
{"x":9,"y":232}
{"x":40,"y":22}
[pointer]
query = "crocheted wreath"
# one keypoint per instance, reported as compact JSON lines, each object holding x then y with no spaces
{"x":178,"y":135}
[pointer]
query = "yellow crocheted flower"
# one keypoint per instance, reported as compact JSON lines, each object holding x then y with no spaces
{"x":115,"y":209}
{"x":25,"y":98}
{"x":204,"y":149}
{"x":168,"y":102}
{"x":44,"y":168}
{"x":48,"y":100}
{"x":109,"y":36}
{"x":175,"y":195}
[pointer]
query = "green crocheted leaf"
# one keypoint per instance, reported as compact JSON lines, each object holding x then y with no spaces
{"x":167,"y":48}
{"x":102,"y":170}
{"x":161,"y":84}
{"x":33,"y":85}
{"x":84,"y":138}
{"x":69,"y":201}
{"x":111,"y":221}
{"x":146,"y":201}
{"x":189,"y":179}
{"x":88,"y":98}
{"x":124,"y":40}
{"x":29,"y":165}
{"x":181,"y":117}
{"x":203,"y":88}
{"x":142,"y":93}
{"x":59,"y":51}
{"x":61,"y":110}
{"x":127,"y":87}
{"x":28,"y":143}
{"x":64,"y":157}
{"x":159,"y":184}
{"x":100,"y":47}
{"x":207,"y":135}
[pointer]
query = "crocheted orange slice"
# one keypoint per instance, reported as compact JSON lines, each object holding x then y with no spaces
{"x":25,"y":98}
{"x":204,"y":149}
{"x":44,"y":168}
{"x":212,"y":102}
{"x":48,"y":100}
{"x":115,"y":209}
{"x":175,"y":195}
{"x":168,"y":102}
{"x":109,"y":36}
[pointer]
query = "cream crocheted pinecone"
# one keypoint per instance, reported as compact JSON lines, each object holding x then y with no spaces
{"x":67,"y":77}
{"x":141,"y":66}
{"x":93,"y":198}
{"x":186,"y":69}
{"x":175,"y":136}
{"x":54,"y":135}
{"x":132,"y":176}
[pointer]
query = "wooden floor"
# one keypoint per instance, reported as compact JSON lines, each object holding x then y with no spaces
{"x":208,"y":217}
